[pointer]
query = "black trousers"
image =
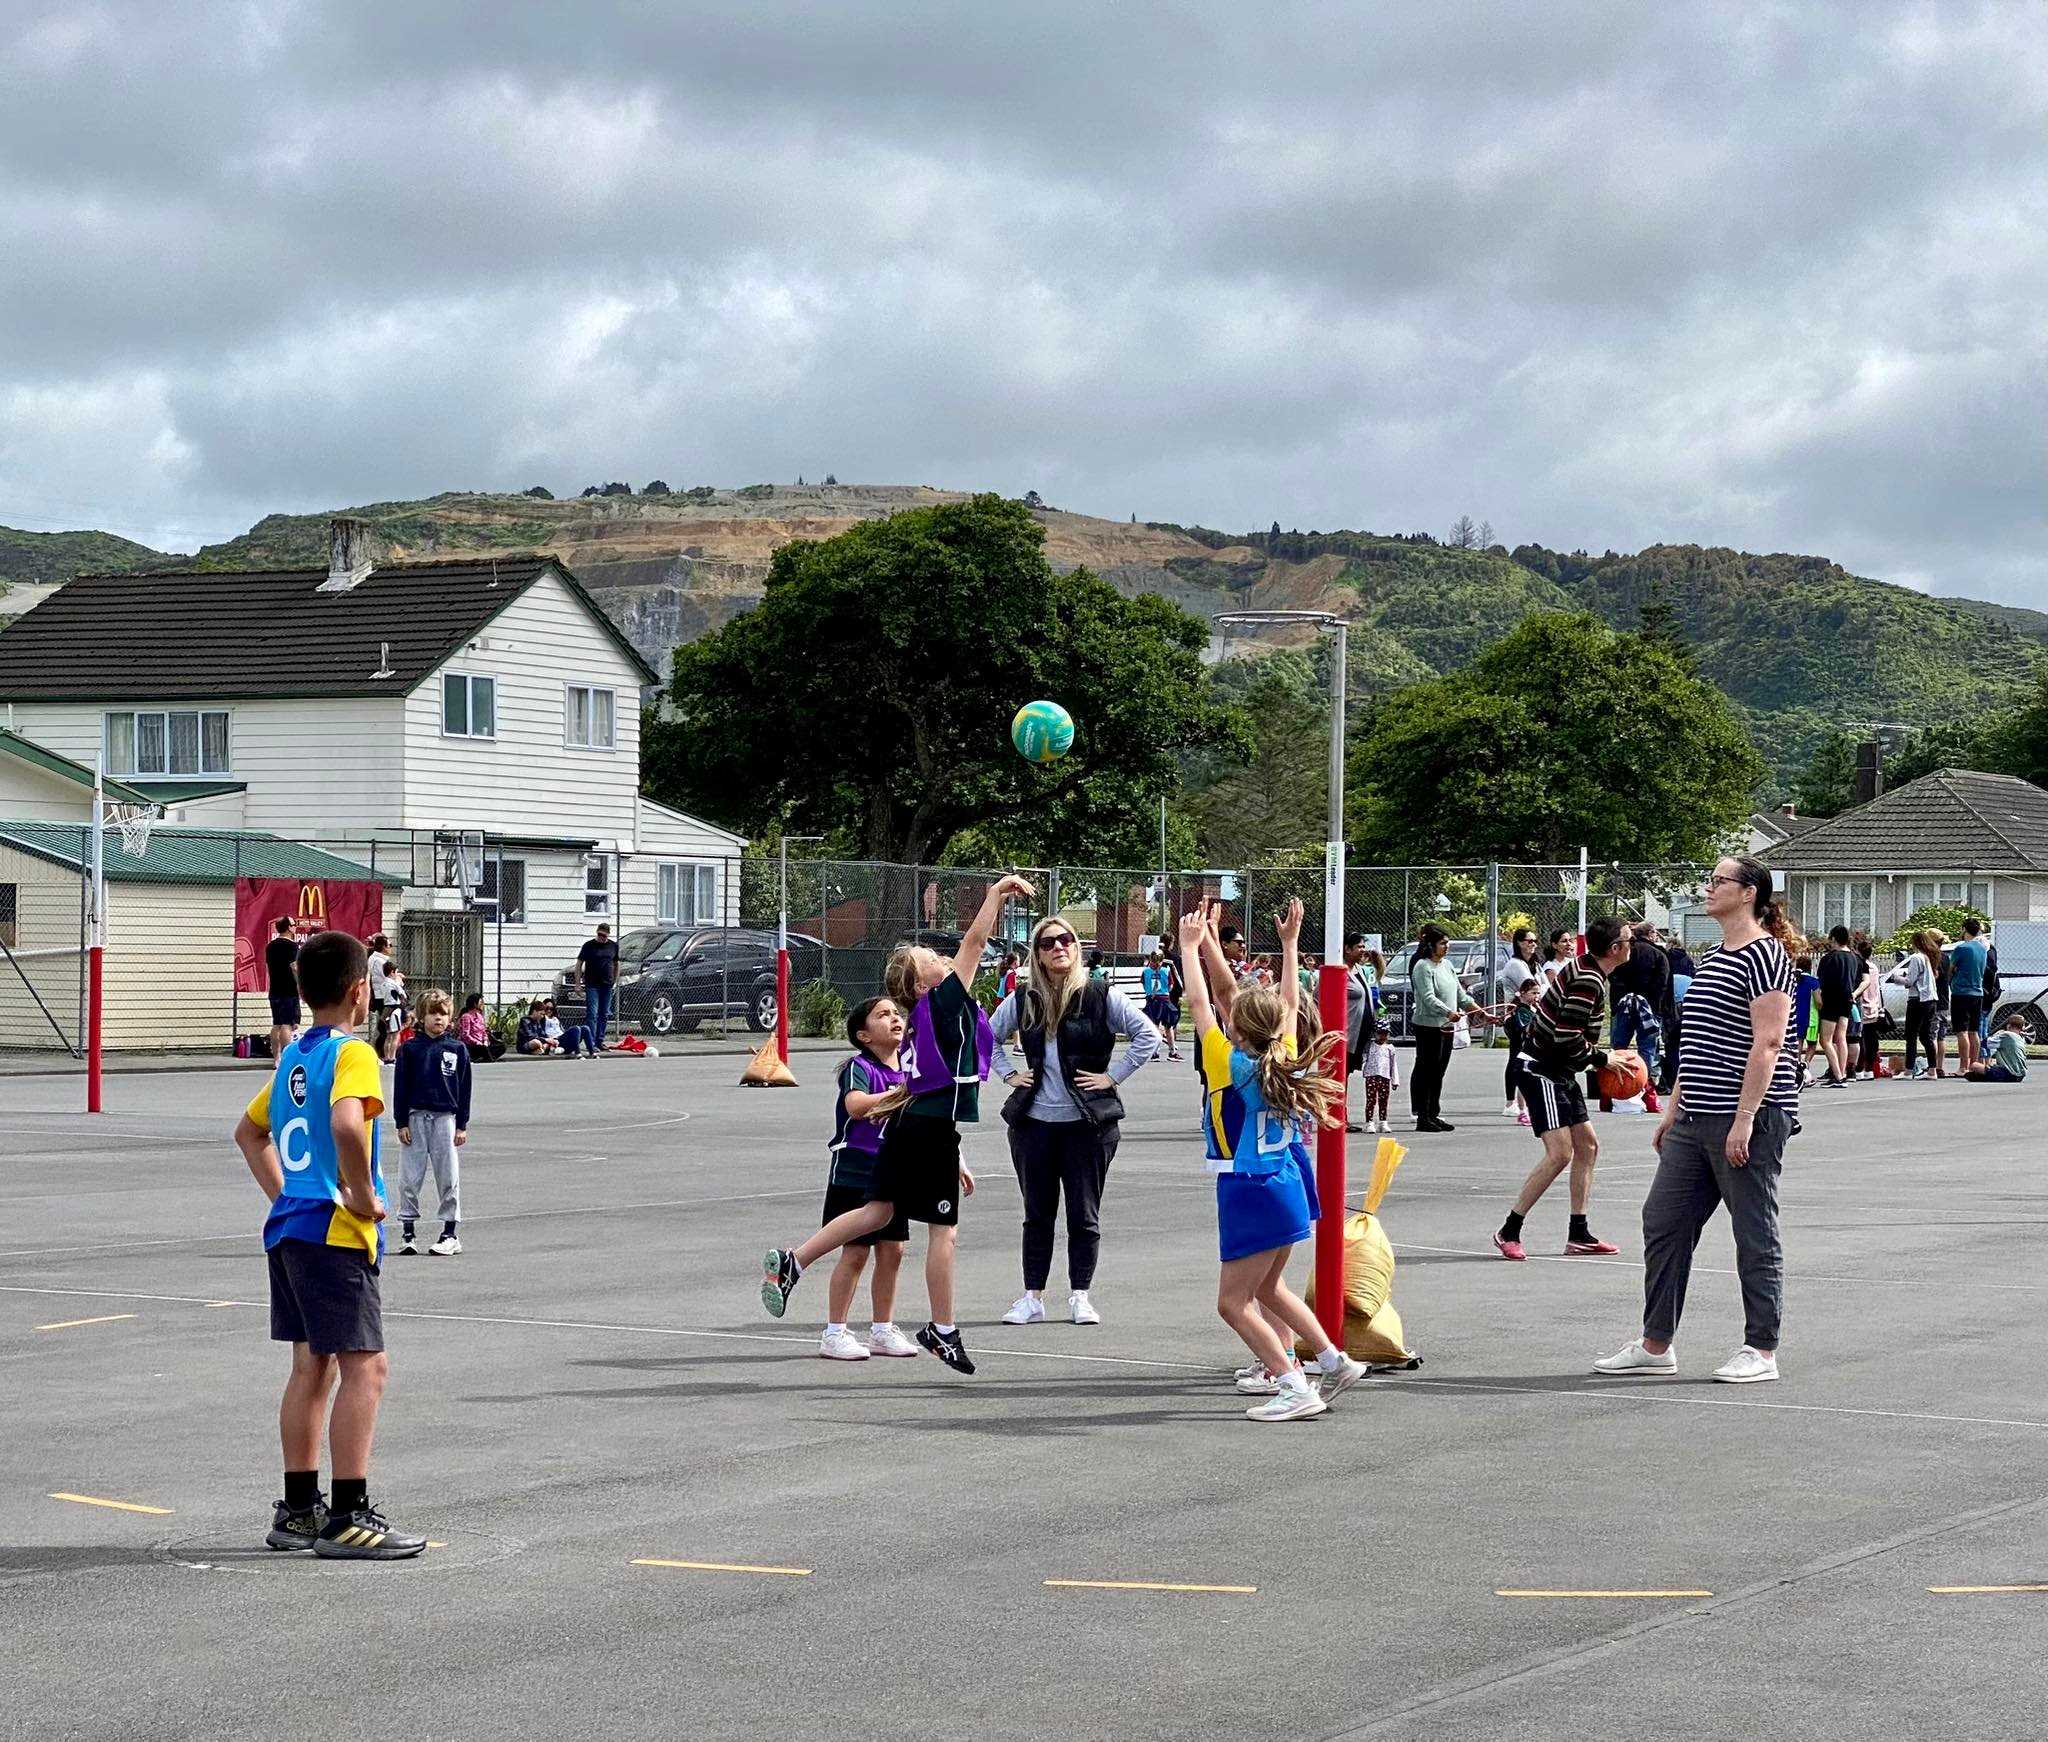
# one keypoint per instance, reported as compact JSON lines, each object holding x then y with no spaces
{"x":1051,"y":1158}
{"x":1432,"y":1059}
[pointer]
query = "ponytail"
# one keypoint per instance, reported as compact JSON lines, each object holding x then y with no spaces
{"x":1764,"y":904}
{"x":1300,"y":1086}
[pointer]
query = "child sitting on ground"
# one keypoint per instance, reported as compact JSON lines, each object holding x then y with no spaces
{"x":533,"y":1030}
{"x":2007,"y":1062}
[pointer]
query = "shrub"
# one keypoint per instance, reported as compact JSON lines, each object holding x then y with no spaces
{"x":755,"y":492}
{"x":654,"y":487}
{"x":1944,"y":917}
{"x":817,"y":1009}
{"x":540,"y":493}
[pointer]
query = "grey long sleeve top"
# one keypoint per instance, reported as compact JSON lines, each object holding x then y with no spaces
{"x":1054,"y":1104}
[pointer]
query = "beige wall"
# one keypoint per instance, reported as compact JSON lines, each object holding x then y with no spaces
{"x":170,"y":967}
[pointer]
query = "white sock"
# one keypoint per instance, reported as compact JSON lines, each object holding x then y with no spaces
{"x":881,"y":1325}
{"x":943,"y":1330}
{"x":829,"y":1329}
{"x":1330,"y":1360}
{"x":1294,"y":1379}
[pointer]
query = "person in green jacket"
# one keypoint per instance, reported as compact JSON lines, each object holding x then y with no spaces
{"x":1438,"y":999}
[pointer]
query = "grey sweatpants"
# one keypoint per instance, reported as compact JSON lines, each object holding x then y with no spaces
{"x":433,"y":1141}
{"x":1693,"y":1180}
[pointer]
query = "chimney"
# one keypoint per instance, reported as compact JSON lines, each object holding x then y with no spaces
{"x":348,"y":555}
{"x":1869,"y":771}
{"x":1786,"y":811}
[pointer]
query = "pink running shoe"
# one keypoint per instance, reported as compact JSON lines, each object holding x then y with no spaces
{"x":1521,"y":1118}
{"x":1509,"y":1248}
{"x":1590,"y":1249}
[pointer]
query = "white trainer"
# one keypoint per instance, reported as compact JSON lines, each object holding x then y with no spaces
{"x":1293,"y":1402}
{"x":1028,"y":1310}
{"x":1080,"y":1309}
{"x":1255,"y":1381}
{"x":888,"y":1340}
{"x":840,"y":1344}
{"x":1335,"y":1381}
{"x":1636,"y":1362}
{"x":1747,"y":1366}
{"x":1251,"y":1370}
{"x":445,"y":1247}
{"x":1509,"y":1111}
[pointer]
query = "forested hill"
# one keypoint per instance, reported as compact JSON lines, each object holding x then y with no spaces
{"x":1797,"y":641}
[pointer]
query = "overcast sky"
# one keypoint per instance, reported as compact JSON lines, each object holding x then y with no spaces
{"x":1766,"y":275}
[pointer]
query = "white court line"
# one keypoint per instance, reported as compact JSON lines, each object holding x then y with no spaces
{"x":1791,"y":1276}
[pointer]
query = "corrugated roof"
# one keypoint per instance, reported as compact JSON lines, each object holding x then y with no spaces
{"x":1954,"y":819}
{"x":217,"y":634}
{"x":184,"y":791}
{"x":27,"y":750}
{"x":191,"y":855}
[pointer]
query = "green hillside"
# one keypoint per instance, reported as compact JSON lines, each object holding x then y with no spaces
{"x":31,"y":558}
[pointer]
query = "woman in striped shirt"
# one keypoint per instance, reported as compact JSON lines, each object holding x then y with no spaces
{"x":1722,"y":1138}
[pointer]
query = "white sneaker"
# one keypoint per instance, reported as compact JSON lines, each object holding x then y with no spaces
{"x":1289,"y":1403}
{"x":840,"y":1344}
{"x":1335,"y":1381}
{"x":1080,"y":1308}
{"x":445,"y":1247}
{"x":1028,"y":1310}
{"x":1636,"y":1362}
{"x":1509,"y":1111}
{"x":1255,"y":1381}
{"x":888,"y":1340}
{"x":1747,"y":1366}
{"x":1250,"y":1370}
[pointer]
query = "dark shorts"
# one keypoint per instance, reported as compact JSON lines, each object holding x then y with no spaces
{"x":1965,"y":1012}
{"x":1834,"y":1010}
{"x":1553,"y":1106}
{"x":919,"y":1170}
{"x":284,"y":1010}
{"x":325,"y":1297}
{"x":1997,"y":1074}
{"x":1161,"y":1011}
{"x":840,"y":1199}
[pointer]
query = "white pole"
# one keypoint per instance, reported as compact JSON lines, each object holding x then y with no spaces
{"x":1333,"y":850}
{"x":1582,"y":894}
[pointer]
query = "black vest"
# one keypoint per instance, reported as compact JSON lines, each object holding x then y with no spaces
{"x":1086,"y":1041}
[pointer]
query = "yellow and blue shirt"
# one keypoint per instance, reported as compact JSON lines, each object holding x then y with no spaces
{"x":1241,"y":1133}
{"x":296,"y":1106}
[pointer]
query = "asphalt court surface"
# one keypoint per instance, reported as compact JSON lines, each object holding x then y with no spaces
{"x":660,"y":1514}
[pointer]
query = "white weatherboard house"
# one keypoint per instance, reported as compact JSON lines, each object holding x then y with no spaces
{"x":471,"y":725}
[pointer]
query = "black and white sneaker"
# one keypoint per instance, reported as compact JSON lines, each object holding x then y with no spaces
{"x":947,"y":1346}
{"x":778,"y":1280}
{"x":296,"y":1530}
{"x":364,"y":1535}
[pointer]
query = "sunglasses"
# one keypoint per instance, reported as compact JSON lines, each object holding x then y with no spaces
{"x":1057,"y":941}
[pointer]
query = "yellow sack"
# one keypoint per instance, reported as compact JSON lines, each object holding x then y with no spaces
{"x":765,"y":1070}
{"x":1372,"y":1328}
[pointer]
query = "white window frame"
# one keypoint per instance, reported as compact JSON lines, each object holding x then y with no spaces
{"x":1941,"y":882}
{"x":199,"y":717}
{"x":489,"y":903}
{"x":10,"y":915}
{"x":469,"y":681}
{"x":597,"y":885}
{"x":589,"y":741}
{"x":1827,"y":902}
{"x":701,"y":877}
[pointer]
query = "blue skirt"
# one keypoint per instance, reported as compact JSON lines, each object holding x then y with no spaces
{"x":1260,"y":1212}
{"x":1305,"y":1165}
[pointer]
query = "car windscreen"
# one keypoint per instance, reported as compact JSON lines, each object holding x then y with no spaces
{"x":636,"y":944}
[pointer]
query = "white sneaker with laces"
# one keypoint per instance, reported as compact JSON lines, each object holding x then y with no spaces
{"x":1251,"y":1370}
{"x":1081,"y":1309}
{"x":1255,"y":1381}
{"x":1290,"y":1402}
{"x":1747,"y":1366}
{"x":445,"y":1247}
{"x":1636,"y":1362}
{"x":1027,"y":1310}
{"x":888,"y":1340}
{"x":1509,"y":1111}
{"x":840,"y":1344}
{"x":1334,"y":1381}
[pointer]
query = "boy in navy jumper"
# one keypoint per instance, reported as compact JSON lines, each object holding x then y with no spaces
{"x":430,"y":1101}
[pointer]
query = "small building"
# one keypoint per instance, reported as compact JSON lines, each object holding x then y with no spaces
{"x":1951,"y":836}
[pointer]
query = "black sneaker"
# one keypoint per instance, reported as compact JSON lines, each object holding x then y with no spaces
{"x":363,"y":1535}
{"x":778,"y":1280}
{"x":296,"y":1530}
{"x":947,"y":1346}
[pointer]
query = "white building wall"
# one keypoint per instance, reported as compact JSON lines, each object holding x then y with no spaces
{"x":34,"y":795}
{"x":670,"y":837}
{"x":527,"y":780}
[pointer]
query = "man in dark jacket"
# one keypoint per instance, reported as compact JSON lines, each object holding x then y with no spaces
{"x":1639,"y":990}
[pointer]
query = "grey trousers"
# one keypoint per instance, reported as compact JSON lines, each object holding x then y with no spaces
{"x":433,"y":1143}
{"x":1693,"y":1180}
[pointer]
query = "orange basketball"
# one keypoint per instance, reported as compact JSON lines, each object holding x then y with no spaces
{"x":1623,"y":1077}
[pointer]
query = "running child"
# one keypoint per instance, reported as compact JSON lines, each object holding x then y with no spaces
{"x":1258,"y":1088}
{"x":310,"y":1139}
{"x":870,"y":1089}
{"x":918,"y":1171}
{"x":430,"y":1106}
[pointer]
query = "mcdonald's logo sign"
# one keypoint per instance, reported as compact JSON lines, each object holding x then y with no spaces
{"x":313,"y":903}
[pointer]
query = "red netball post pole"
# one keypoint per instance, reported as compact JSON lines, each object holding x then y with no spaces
{"x":96,"y":939}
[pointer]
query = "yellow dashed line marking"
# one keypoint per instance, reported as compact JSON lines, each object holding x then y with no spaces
{"x":1146,"y":1585}
{"x":726,"y":1567}
{"x":1978,"y":1590}
{"x":437,"y":1545}
{"x":113,"y":1505}
{"x":73,"y":1324}
{"x":1603,"y":1593}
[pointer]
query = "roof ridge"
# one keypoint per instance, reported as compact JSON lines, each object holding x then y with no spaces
{"x":1947,"y":778}
{"x":413,"y":562}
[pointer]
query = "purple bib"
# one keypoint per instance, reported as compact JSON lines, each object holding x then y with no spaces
{"x":932,"y":1063}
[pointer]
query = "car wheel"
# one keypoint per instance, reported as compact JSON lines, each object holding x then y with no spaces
{"x":761,"y":1013}
{"x":661,"y":1014}
{"x":2037,"y":1021}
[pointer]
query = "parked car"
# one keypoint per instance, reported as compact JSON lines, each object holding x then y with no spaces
{"x":1468,"y":956}
{"x":2018,"y":993}
{"x":671,"y":978}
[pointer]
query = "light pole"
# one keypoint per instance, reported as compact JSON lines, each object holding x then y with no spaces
{"x":782,"y":943}
{"x":1329,"y":1270}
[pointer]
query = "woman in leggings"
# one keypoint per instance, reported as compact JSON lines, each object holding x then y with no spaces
{"x":1917,"y":974}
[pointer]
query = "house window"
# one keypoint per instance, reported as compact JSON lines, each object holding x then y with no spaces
{"x":167,"y":742}
{"x":10,"y":895}
{"x":469,"y":706}
{"x":1946,"y":892}
{"x":689,"y":895}
{"x":501,"y":890}
{"x":1836,"y":901}
{"x":597,"y":885}
{"x":590,"y":718}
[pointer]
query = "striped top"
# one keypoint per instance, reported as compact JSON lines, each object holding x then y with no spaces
{"x":1564,"y":1028}
{"x":1713,"y":1046}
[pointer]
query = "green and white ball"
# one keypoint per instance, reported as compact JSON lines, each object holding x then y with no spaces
{"x":1042,"y":731}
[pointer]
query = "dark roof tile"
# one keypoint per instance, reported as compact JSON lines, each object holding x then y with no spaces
{"x":1954,"y":819}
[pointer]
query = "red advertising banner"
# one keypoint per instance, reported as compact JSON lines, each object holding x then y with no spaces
{"x":311,"y":904}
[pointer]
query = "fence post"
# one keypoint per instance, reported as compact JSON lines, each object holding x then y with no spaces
{"x":1492,"y":927}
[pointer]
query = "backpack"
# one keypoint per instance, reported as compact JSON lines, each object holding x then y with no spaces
{"x":1992,"y":985}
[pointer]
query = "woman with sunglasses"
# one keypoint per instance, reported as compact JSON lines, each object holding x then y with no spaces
{"x":1065,"y":1114}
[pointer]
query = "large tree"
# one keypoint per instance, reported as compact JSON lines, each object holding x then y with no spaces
{"x":1562,"y":734}
{"x":868,"y":696}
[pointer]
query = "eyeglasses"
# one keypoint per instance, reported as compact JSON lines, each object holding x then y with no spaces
{"x":1716,"y":881}
{"x":1061,"y":941}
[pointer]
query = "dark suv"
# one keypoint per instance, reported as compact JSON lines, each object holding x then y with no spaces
{"x":672,"y":977}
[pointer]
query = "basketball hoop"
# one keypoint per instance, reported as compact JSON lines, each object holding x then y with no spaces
{"x":134,"y":822}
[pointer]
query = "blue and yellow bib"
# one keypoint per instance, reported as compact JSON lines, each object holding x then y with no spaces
{"x":322,"y":1066}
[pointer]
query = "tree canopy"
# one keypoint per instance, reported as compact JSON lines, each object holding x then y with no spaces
{"x":868,"y":696}
{"x":1562,"y":734}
